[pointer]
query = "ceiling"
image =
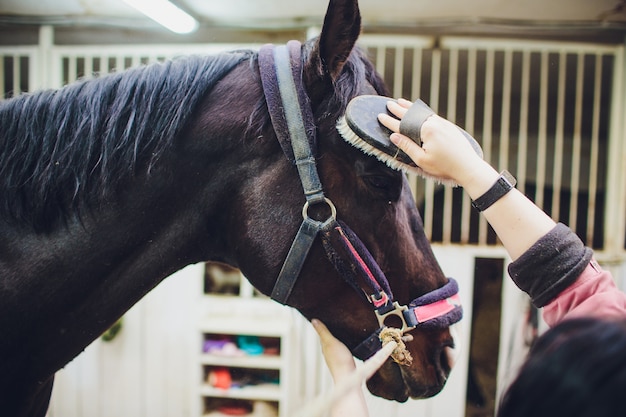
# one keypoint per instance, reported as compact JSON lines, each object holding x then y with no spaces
{"x":302,"y":13}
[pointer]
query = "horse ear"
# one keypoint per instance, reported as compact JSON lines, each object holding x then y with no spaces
{"x":342,"y":26}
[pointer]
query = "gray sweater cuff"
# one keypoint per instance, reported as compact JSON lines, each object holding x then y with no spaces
{"x":552,"y":264}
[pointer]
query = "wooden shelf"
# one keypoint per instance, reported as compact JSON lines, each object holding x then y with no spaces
{"x":246,"y":361}
{"x":265,"y":392}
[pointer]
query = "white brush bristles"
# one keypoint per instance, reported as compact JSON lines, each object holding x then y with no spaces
{"x":352,"y":138}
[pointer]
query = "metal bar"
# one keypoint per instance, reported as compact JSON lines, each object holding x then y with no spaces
{"x":71,"y":69}
{"x":429,"y":196}
{"x":451,"y":115}
{"x":398,"y":72}
{"x":2,"y":77}
{"x":487,"y":129}
{"x":557,"y":159}
{"x":522,"y":153}
{"x":542,"y":134}
{"x":469,"y":126}
{"x":594,"y":151}
{"x":576,"y":139}
{"x":380,"y":59}
{"x":614,"y":230}
{"x":416,"y":84}
{"x":88,"y":67}
{"x":521,"y":45}
{"x":505,"y":125}
{"x":16,"y":75}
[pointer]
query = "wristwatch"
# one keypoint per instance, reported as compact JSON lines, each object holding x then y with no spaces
{"x":503,"y":185}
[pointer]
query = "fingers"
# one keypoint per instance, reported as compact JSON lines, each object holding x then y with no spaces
{"x":338,"y":357}
{"x":390,"y":122}
{"x":398,"y":109}
{"x":408,"y":146}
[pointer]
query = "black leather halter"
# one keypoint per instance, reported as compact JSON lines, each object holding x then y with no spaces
{"x":293,"y":122}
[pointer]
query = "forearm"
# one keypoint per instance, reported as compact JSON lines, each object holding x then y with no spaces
{"x":517,"y":221}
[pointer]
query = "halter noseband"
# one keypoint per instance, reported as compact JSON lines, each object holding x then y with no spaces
{"x":293,"y":122}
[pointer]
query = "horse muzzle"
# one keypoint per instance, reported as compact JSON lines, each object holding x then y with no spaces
{"x":434,"y":355}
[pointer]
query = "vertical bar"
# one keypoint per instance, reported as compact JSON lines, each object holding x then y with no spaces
{"x":104,"y":64}
{"x":119,"y":63}
{"x":542,"y":139}
{"x":416,"y":183}
{"x":380,"y":59}
{"x":503,"y":157}
{"x":16,"y":75}
{"x":416,"y":80}
{"x":615,"y":186}
{"x":71,"y":69}
{"x":575,"y":179}
{"x":88,"y":67}
{"x":469,"y":126}
{"x":451,"y":115}
{"x":522,"y":153}
{"x":434,"y":103}
{"x":557,"y":162}
{"x":594,"y":153}
{"x":398,"y":72}
{"x":2,"y":76}
{"x":487,"y":129}
{"x":49,"y":68}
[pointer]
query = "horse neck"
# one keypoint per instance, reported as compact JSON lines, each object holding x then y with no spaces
{"x":102,"y":263}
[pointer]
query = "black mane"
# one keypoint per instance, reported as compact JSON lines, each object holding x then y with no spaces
{"x":62,"y":148}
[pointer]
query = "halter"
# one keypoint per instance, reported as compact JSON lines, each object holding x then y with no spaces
{"x":293,"y":122}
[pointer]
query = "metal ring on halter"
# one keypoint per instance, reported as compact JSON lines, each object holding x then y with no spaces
{"x":331,"y":218}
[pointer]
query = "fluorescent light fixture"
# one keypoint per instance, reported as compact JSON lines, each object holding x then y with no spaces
{"x":167,"y":14}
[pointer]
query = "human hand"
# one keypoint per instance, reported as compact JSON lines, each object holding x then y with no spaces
{"x":445,"y":152}
{"x":337,"y":356}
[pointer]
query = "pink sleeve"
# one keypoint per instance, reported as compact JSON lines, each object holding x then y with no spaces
{"x":593,"y":294}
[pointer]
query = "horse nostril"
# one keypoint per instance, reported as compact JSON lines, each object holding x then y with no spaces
{"x":449,"y":355}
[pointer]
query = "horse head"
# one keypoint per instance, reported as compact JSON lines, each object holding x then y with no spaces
{"x":372,"y":201}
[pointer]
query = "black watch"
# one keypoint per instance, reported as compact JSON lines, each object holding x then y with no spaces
{"x":503,"y":185}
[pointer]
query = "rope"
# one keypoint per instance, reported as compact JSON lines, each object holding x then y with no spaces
{"x":400,"y":354}
{"x":323,"y":403}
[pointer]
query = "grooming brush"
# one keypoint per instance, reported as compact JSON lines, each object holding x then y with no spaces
{"x":360,"y":127}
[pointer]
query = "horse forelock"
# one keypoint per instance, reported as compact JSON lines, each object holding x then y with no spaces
{"x":62,"y":149}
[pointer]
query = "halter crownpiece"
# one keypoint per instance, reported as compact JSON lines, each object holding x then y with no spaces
{"x":292,"y":119}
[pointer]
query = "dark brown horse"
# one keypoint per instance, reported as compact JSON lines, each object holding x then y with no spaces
{"x":110,"y":185}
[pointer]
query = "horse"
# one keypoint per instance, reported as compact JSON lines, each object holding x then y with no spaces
{"x":110,"y":185}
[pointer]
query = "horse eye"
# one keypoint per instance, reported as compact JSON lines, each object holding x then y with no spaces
{"x":379,"y":182}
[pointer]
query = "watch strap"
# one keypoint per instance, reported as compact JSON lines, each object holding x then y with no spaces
{"x":503,"y":185}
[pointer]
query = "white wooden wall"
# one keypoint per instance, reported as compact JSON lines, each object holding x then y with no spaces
{"x":148,"y":369}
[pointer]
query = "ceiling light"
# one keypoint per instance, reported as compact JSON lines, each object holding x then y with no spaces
{"x":167,"y":14}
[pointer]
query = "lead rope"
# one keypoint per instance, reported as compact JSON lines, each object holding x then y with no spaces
{"x":323,"y":403}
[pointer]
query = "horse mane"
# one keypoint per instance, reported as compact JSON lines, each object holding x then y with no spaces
{"x":63,"y":149}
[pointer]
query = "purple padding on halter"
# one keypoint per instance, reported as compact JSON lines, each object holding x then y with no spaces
{"x":363,"y":260}
{"x":437,"y":309}
{"x":442,"y":293}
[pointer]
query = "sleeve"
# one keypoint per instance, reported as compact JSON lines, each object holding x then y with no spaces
{"x":593,"y":294}
{"x":551,"y":265}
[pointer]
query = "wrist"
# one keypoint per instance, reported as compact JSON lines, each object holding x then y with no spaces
{"x":505,"y":183}
{"x":478,"y":180}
